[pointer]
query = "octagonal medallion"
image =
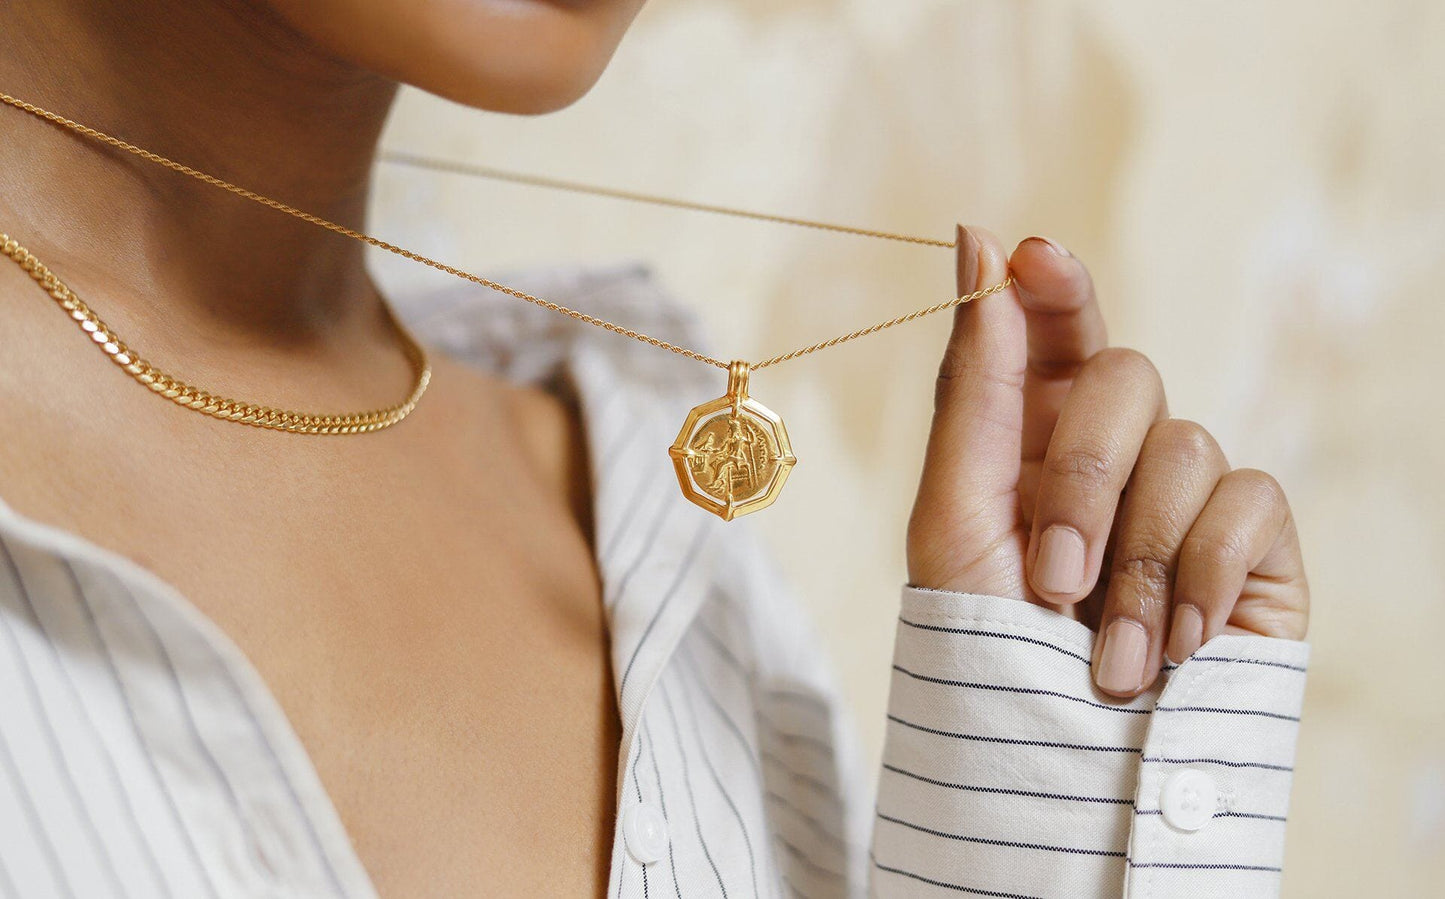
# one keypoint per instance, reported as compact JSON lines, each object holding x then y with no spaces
{"x":732,"y":454}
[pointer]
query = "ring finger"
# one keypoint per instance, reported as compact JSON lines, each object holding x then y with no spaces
{"x":1178,"y":469}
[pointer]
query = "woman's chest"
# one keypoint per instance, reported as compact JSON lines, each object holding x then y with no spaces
{"x":433,"y":630}
{"x":459,"y":709}
{"x":451,"y":682}
{"x":448,"y":670}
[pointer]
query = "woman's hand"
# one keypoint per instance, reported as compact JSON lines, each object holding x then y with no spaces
{"x":1054,"y":473}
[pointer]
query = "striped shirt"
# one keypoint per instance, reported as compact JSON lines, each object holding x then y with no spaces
{"x":142,"y":755}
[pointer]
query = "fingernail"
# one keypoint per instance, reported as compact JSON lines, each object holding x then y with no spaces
{"x":1059,"y":567}
{"x":1121,"y":662}
{"x":1186,"y":635}
{"x":1053,"y":245}
{"x":968,"y":248}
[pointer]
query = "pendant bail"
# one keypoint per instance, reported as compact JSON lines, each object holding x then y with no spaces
{"x":738,"y":380}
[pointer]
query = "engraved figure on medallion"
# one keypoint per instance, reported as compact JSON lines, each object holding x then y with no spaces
{"x":732,"y":457}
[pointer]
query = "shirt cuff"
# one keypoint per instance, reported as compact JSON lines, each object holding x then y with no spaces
{"x":1006,"y":771}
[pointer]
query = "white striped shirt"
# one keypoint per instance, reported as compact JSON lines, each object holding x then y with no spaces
{"x":142,"y":755}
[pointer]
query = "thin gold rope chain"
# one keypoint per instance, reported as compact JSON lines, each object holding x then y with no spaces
{"x":483,"y":171}
{"x":119,"y":144}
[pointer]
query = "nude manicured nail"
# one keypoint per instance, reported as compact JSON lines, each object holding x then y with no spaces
{"x":1053,"y":245}
{"x":968,"y":258}
{"x":1059,"y":567}
{"x":1186,"y":635}
{"x":1121,"y":662}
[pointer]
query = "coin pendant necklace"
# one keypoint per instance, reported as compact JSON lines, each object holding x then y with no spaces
{"x":731,"y":456}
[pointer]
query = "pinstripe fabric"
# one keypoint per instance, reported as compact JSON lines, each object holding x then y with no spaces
{"x":141,"y":755}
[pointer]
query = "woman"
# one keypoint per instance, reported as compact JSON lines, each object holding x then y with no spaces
{"x":490,"y":651}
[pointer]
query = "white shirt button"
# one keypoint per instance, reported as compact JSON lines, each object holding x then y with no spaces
{"x":1189,"y":799}
{"x":644,"y":829}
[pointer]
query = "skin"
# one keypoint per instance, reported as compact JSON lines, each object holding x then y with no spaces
{"x":388,"y":588}
{"x":1040,"y":425}
{"x":391,"y":632}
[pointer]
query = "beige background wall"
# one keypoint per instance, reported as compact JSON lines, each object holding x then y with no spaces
{"x":1255,"y":188}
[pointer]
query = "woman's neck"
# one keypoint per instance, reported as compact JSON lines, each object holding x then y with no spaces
{"x":226,"y":87}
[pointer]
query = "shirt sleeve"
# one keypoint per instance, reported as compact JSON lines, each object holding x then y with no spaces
{"x":1007,"y":774}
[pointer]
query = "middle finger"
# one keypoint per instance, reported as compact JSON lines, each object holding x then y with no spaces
{"x":1115,"y":398}
{"x":1065,"y":330}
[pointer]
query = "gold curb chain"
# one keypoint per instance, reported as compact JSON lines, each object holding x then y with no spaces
{"x":204,"y":401}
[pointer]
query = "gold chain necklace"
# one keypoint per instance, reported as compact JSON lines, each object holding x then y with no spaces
{"x":731,"y":456}
{"x":202,"y":400}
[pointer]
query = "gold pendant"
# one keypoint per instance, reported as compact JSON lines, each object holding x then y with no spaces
{"x":732,"y":454}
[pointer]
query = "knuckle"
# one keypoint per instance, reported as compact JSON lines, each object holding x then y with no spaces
{"x":961,"y":371}
{"x":1127,"y":365}
{"x":941,"y":389}
{"x":1148,"y":567}
{"x":1083,"y":465}
{"x":951,"y":365}
{"x":1262,"y":486}
{"x":951,"y":368}
{"x":1212,"y":551}
{"x":1184,"y":440}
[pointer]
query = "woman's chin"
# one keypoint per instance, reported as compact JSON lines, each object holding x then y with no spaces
{"x":516,"y":56}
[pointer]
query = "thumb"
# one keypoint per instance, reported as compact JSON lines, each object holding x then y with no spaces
{"x":965,"y":532}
